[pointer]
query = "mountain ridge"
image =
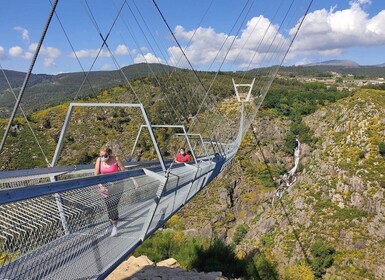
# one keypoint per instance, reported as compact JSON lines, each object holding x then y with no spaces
{"x":45,"y":90}
{"x":335,"y":62}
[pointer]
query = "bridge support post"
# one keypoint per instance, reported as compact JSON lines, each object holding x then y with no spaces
{"x":59,"y":204}
{"x":197,"y":169}
{"x":154,"y":207}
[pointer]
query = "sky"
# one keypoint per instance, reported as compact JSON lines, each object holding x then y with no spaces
{"x":213,"y":34}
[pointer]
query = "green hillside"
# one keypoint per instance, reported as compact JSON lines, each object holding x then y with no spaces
{"x":329,"y":224}
{"x":44,"y":91}
{"x":332,"y":220}
{"x":117,"y":126}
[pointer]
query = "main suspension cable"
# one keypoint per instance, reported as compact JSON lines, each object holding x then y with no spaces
{"x":28,"y":75}
{"x":74,"y":52}
{"x":25,"y":117}
{"x":104,"y":39}
{"x":184,"y":54}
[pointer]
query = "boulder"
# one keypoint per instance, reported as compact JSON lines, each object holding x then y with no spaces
{"x":171,"y":262}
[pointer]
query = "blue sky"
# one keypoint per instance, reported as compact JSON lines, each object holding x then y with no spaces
{"x":207,"y":30}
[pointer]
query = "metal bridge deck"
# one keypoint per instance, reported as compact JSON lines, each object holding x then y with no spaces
{"x":89,"y":252}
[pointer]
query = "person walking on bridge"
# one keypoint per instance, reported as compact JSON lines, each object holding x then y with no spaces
{"x":182,"y":156}
{"x":106,"y":163}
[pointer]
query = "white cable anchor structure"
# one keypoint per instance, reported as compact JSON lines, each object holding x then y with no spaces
{"x":240,"y":95}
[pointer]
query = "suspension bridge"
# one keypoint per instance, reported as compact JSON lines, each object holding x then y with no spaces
{"x":54,"y":223}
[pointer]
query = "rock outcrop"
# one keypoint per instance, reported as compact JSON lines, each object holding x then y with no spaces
{"x":143,"y":268}
{"x":338,"y":197}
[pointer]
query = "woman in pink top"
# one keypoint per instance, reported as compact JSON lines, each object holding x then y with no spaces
{"x":106,"y":164}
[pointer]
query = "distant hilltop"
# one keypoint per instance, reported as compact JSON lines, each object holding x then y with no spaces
{"x":336,"y":62}
{"x":342,"y":63}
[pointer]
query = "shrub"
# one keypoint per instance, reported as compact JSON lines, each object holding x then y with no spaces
{"x":266,"y":269}
{"x":240,"y":233}
{"x":323,"y":258}
{"x":381,"y":148}
{"x":171,"y":244}
{"x":219,"y":257}
{"x":349,"y":213}
{"x":298,"y":271}
{"x":175,"y":222}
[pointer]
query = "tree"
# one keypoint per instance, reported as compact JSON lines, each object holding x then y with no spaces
{"x":381,"y":148}
{"x":323,"y":258}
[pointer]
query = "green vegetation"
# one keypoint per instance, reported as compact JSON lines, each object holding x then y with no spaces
{"x":171,"y":244}
{"x":298,"y":271}
{"x":240,"y":233}
{"x":219,"y":257}
{"x":323,"y":204}
{"x":202,"y":255}
{"x":301,"y":99}
{"x":298,"y":129}
{"x":297,"y":101}
{"x":381,"y":148}
{"x":323,"y":258}
{"x":266,"y":269}
{"x":349,"y":213}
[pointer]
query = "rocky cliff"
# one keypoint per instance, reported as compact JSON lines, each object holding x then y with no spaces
{"x":338,"y":198}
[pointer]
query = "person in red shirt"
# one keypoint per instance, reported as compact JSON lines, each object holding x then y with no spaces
{"x":182,"y":156}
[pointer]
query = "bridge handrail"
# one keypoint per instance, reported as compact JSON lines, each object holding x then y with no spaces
{"x":66,"y":169}
{"x":9,"y":195}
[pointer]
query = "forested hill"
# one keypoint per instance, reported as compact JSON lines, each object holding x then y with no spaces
{"x":325,"y":70}
{"x":291,"y":96}
{"x":45,"y":90}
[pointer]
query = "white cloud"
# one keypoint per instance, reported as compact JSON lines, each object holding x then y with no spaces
{"x":328,"y":33}
{"x":106,"y":67}
{"x":2,"y":55}
{"x":149,"y":58}
{"x":16,"y":51}
{"x":258,"y":42}
{"x":24,"y":33}
{"x":91,"y":53}
{"x":324,"y":33}
{"x":122,"y":50}
{"x":49,"y":54}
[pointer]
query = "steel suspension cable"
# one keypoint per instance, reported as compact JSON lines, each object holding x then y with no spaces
{"x":74,"y":52}
{"x":28,"y":75}
{"x":194,"y":33}
{"x":169,"y":77}
{"x":263,"y":38}
{"x":232,"y":133}
{"x":25,"y":117}
{"x":177,"y":113}
{"x":184,"y":54}
{"x":227,"y":37}
{"x":286,"y":52}
{"x":271,"y":71}
{"x":180,"y":57}
{"x":104,"y":39}
{"x":224,"y":59}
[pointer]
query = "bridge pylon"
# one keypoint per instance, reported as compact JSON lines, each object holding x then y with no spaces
{"x":240,"y":95}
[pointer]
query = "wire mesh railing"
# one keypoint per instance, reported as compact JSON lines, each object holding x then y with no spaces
{"x":35,"y":245}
